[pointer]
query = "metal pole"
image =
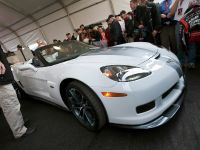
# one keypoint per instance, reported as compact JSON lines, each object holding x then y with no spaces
{"x":23,"y":54}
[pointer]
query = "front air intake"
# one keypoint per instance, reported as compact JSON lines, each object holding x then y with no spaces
{"x":145,"y":107}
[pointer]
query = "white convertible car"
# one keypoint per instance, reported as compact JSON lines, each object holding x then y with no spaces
{"x":134,"y":85}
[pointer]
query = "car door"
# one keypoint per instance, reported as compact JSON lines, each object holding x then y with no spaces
{"x":34,"y":81}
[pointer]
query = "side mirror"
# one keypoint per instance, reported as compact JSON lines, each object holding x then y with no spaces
{"x":27,"y":67}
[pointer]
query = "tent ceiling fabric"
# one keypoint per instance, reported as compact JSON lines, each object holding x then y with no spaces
{"x":8,"y":16}
{"x":15,"y":12}
{"x":28,"y":6}
{"x":25,"y":21}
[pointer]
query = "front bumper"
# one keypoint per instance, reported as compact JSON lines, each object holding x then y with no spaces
{"x":149,"y":101}
{"x":164,"y":118}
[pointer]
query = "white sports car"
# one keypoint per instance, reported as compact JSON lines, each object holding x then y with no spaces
{"x":134,"y":85}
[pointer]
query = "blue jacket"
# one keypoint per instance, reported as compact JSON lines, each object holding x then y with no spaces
{"x":165,"y":6}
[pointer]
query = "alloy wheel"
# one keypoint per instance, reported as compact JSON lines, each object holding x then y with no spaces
{"x":81,"y":107}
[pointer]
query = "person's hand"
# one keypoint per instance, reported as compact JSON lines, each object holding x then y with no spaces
{"x":154,"y":33}
{"x":141,"y":26}
{"x":2,"y":68}
{"x":163,"y":16}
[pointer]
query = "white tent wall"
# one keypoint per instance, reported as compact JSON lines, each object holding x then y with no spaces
{"x":98,"y":10}
{"x":22,"y":23}
{"x":9,"y":15}
{"x":120,"y":5}
{"x":52,"y":17}
{"x":32,"y":37}
{"x":8,"y":38}
{"x":47,"y":11}
{"x":93,"y":14}
{"x":67,"y":2}
{"x":12,"y":44}
{"x":26,"y":29}
{"x":82,"y":4}
{"x":5,"y":32}
{"x":55,"y":20}
{"x":57,"y":29}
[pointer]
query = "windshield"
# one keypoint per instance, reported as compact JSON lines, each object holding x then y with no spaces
{"x":60,"y":52}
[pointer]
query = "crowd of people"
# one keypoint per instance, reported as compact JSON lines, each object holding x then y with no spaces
{"x":157,"y":23}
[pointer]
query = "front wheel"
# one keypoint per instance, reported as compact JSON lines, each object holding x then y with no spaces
{"x":85,"y":106}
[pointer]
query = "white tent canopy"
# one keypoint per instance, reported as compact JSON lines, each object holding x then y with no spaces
{"x":25,"y":21}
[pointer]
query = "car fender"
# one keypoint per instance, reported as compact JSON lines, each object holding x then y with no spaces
{"x":89,"y":74}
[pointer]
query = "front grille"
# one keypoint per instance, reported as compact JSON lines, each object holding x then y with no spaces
{"x":168,"y":91}
{"x":145,"y":107}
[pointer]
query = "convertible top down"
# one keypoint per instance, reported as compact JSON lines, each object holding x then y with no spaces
{"x":135,"y":85}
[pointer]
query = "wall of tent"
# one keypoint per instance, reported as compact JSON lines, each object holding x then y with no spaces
{"x":55,"y":20}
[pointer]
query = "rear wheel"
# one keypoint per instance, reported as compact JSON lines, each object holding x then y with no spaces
{"x":85,"y":106}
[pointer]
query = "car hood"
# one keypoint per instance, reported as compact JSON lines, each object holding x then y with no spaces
{"x":119,"y":55}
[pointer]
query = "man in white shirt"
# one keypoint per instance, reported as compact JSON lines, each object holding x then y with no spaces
{"x":181,"y":8}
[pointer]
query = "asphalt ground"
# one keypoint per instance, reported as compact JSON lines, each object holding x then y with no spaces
{"x":57,"y":129}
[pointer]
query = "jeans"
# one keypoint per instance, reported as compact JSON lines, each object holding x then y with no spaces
{"x":192,"y":49}
{"x":168,"y":38}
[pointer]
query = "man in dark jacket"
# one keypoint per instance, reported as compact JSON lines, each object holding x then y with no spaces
{"x":9,"y":101}
{"x":147,"y":21}
{"x":116,"y":36}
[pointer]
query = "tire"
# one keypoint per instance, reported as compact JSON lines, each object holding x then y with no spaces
{"x":21,"y":95}
{"x":85,"y":106}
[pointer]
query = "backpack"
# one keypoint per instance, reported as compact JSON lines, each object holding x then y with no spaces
{"x":190,"y":24}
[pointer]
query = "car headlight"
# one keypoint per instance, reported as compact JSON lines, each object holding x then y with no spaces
{"x":123,"y":73}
